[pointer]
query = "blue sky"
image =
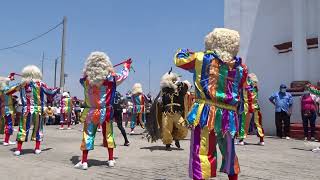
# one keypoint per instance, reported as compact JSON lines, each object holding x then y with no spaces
{"x":142,"y":30}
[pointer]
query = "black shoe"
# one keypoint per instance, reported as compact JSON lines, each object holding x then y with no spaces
{"x":177,"y":143}
{"x":126,"y":144}
{"x":168,"y":148}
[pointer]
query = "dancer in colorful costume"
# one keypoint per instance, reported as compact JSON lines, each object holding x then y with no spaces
{"x":250,"y":107}
{"x":99,"y":82}
{"x":66,"y":110}
{"x":32,"y":95}
{"x":6,"y":111}
{"x":138,"y":100}
{"x":218,"y":77}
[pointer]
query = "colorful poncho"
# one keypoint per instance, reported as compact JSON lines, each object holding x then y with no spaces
{"x":32,"y":95}
{"x":217,"y":87}
{"x":99,"y":99}
{"x":138,"y":101}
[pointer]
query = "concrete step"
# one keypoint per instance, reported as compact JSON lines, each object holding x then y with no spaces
{"x":296,"y":131}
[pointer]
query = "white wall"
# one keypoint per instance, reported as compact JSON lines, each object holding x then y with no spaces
{"x":313,"y":30}
{"x":264,"y":23}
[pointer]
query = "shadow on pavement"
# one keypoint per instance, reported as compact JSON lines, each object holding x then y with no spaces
{"x":251,"y":144}
{"x":135,"y":134}
{"x":30,"y":151}
{"x":161,"y":148}
{"x":301,"y":149}
{"x":91,"y":162}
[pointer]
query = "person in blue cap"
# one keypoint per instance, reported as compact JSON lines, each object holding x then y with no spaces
{"x":282,"y":101}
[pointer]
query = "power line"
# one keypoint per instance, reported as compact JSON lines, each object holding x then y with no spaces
{"x":35,"y":38}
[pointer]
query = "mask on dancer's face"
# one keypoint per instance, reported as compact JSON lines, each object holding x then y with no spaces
{"x":283,"y":90}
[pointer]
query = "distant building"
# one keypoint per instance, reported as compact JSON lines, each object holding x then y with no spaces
{"x":279,"y":43}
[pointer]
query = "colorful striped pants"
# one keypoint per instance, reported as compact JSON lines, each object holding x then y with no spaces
{"x":137,"y":117}
{"x":89,"y":134}
{"x":24,"y":127}
{"x":203,"y":154}
{"x":245,"y":119}
{"x":6,"y":124}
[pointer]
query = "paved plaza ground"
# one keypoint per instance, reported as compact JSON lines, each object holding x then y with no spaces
{"x":279,"y":159}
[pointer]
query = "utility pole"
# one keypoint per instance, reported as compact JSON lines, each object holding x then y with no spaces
{"x":149,"y":76}
{"x":42,"y":63}
{"x":55,"y":72}
{"x":63,"y":53}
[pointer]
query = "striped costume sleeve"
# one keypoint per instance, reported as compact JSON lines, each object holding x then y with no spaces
{"x":49,"y":91}
{"x":185,"y":59}
{"x":120,"y":77}
{"x":245,"y":75}
{"x":82,"y":80}
{"x":13,"y":89}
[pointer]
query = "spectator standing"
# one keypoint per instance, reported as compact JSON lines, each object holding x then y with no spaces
{"x":282,"y":101}
{"x":309,"y":111}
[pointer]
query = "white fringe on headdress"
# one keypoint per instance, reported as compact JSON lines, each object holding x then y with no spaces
{"x":66,"y":94}
{"x":187,"y":83}
{"x":168,"y":80}
{"x":137,"y":88}
{"x":253,"y":77}
{"x":4,"y":81}
{"x":225,"y":42}
{"x":97,"y":67}
{"x":31,"y":72}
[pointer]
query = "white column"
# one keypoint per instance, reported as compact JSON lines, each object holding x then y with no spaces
{"x":299,"y":46}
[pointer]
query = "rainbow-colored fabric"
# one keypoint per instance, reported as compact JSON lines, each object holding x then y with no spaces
{"x":6,"y":103}
{"x":98,"y":109}
{"x":250,"y":96}
{"x":66,"y":105}
{"x":138,"y":101}
{"x":250,"y":106}
{"x":214,"y":113}
{"x":32,"y":95}
{"x":217,"y":87}
{"x":98,"y":100}
{"x":6,"y":112}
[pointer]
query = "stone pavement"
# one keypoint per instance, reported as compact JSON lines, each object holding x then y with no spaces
{"x":279,"y":159}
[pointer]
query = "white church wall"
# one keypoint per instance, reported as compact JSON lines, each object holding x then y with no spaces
{"x":313,"y":30}
{"x":263,"y":25}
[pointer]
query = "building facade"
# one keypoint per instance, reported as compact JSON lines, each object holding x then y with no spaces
{"x":262,"y":25}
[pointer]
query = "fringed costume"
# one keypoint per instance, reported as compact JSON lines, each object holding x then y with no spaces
{"x":66,"y":110}
{"x":138,"y":100}
{"x":250,"y":109}
{"x":218,"y":78}
{"x":32,"y":94}
{"x":99,"y":83}
{"x":6,"y":111}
